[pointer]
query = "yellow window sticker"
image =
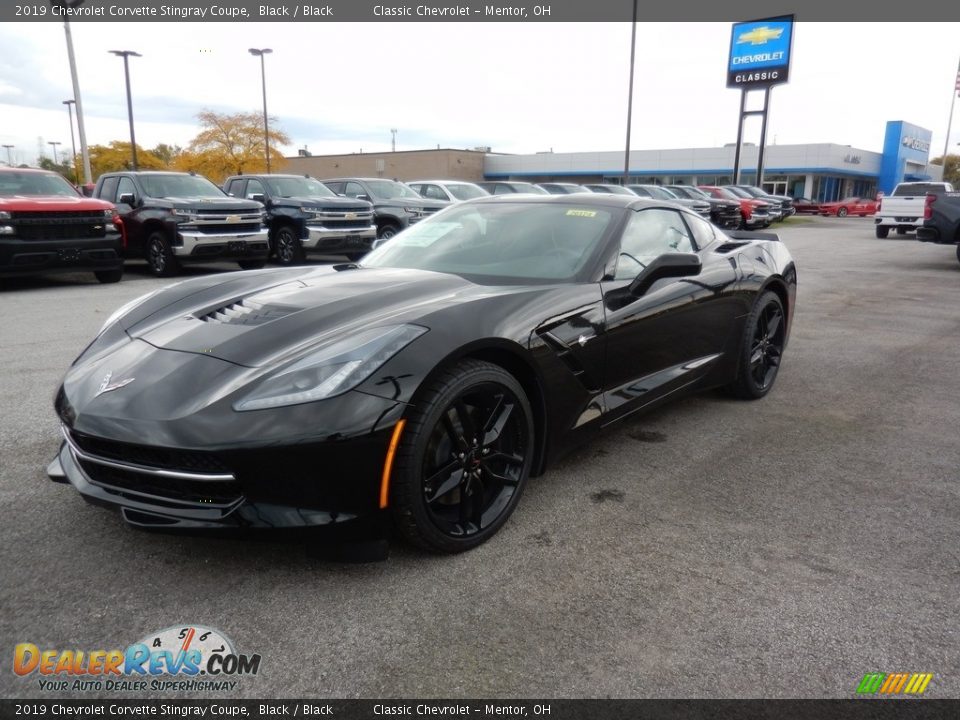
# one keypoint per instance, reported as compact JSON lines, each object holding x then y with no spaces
{"x":582,"y":213}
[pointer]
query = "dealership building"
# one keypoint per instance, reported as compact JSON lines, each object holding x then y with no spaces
{"x":822,"y":171}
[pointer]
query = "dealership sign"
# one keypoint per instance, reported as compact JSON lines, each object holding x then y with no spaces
{"x":760,"y":52}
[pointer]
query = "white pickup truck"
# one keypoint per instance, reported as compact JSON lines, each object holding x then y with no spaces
{"x":904,"y":209}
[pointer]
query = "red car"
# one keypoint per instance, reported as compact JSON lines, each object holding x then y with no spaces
{"x":754,"y":212}
{"x":850,"y":206}
{"x":806,"y":205}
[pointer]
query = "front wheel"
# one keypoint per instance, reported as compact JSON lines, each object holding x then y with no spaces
{"x":463,"y":460}
{"x":109,"y":276}
{"x":160,"y":257}
{"x":387,"y":231}
{"x":882,"y":231}
{"x":761,"y":349}
{"x":287,"y":245}
{"x":842,"y":212}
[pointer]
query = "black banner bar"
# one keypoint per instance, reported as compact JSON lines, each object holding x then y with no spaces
{"x":854,"y":709}
{"x":859,"y":11}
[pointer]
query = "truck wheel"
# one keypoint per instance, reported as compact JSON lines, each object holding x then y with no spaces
{"x":109,"y":276}
{"x":160,"y":258}
{"x":882,"y":231}
{"x":387,"y":231}
{"x":287,"y":246}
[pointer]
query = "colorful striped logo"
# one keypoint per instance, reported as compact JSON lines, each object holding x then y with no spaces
{"x":894,"y":683}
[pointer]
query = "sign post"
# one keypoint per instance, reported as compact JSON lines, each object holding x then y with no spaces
{"x":759,"y":58}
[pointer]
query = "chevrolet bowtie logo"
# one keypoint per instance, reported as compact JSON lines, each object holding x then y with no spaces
{"x":106,"y":386}
{"x":760,"y":35}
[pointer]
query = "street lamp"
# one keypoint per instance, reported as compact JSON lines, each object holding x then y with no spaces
{"x":73,"y":143}
{"x":126,"y":54}
{"x":393,"y":139}
{"x":81,"y":131}
{"x":263,"y":79}
{"x":9,"y":154}
{"x":54,"y":143}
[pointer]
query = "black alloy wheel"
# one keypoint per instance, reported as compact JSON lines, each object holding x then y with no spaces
{"x":387,"y":231}
{"x":160,"y":257}
{"x":841,"y":212}
{"x":287,"y":246}
{"x":762,"y":348}
{"x":464,"y":459}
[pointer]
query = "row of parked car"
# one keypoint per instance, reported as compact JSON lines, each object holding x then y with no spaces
{"x":170,"y":218}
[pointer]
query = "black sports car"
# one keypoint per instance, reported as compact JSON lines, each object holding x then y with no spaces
{"x":419,"y":389}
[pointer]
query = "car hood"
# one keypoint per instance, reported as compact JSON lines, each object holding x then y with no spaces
{"x":51,"y":203}
{"x":209,"y":203}
{"x":256,"y":322}
{"x":322,"y":201}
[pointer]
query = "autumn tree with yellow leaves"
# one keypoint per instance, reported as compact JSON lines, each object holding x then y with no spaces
{"x":231,"y":145}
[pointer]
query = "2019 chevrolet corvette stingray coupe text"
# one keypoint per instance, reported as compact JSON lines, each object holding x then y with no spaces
{"x":419,"y":389}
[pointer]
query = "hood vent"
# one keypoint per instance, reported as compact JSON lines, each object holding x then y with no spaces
{"x":247,"y":312}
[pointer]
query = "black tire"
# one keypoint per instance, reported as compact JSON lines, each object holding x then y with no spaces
{"x":841,"y":212}
{"x":761,"y":349}
{"x":901,"y":231}
{"x":287,"y":247}
{"x":109,"y":276}
{"x":160,"y":258}
{"x":958,"y":253}
{"x":387,"y":231}
{"x":252,"y":264}
{"x":463,"y":460}
{"x":883,"y":231}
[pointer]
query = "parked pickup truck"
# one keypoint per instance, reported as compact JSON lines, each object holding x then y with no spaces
{"x":941,"y":220}
{"x":304,"y":215}
{"x":395,"y":206}
{"x":903,"y":210}
{"x":47,"y":226}
{"x":172,"y":218}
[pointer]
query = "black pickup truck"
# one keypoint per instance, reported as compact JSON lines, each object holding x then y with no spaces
{"x":395,"y":206}
{"x":304,"y":215}
{"x":941,"y":220}
{"x":172,"y":218}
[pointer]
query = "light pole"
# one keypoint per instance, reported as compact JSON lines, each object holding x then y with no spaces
{"x":81,"y":131}
{"x":633,"y":50}
{"x":126,"y":54}
{"x":54,"y":143}
{"x":9,"y":154}
{"x":73,"y":143}
{"x":393,"y":140}
{"x":263,"y":80}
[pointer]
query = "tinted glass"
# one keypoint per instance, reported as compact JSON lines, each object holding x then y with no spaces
{"x":125,"y":187}
{"x":388,"y":190}
{"x":34,"y":183}
{"x":179,"y":186}
{"x":703,"y":232}
{"x":649,"y":234}
{"x":463,"y":191}
{"x":917,"y":189}
{"x":298,"y":187}
{"x":503,"y":242}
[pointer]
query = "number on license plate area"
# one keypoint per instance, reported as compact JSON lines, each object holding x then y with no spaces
{"x":236,"y":246}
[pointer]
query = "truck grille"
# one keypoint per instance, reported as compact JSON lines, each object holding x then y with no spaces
{"x":344,"y":224}
{"x":58,"y":225}
{"x":216,"y":229}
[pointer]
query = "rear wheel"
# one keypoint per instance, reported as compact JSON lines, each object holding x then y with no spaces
{"x":160,"y":257}
{"x":251,"y":264}
{"x":287,"y":246}
{"x":882,"y":231}
{"x":109,"y":276}
{"x":761,"y":349}
{"x":841,"y":212}
{"x":463,"y":460}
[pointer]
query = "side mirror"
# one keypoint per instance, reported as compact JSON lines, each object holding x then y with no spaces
{"x":126,"y":199}
{"x":256,"y":196}
{"x":667,"y":265}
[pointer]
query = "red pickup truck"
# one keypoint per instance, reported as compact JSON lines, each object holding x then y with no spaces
{"x":47,"y":226}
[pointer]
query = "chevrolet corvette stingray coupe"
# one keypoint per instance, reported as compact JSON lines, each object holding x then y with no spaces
{"x":417,"y":391}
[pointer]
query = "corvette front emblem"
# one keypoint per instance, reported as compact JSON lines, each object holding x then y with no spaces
{"x":106,"y":386}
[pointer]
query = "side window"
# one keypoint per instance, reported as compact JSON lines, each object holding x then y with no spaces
{"x":649,"y":234}
{"x":353,"y":189}
{"x":336,"y":187}
{"x":126,"y":186}
{"x":418,"y":188}
{"x":433,"y":192}
{"x":254,"y":187}
{"x":702,"y":231}
{"x":108,"y":191}
{"x":235,"y":187}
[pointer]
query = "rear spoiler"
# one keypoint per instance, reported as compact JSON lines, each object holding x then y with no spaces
{"x":752,"y":235}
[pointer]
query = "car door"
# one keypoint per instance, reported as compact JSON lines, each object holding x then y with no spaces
{"x":127,"y":190}
{"x":671,"y":335}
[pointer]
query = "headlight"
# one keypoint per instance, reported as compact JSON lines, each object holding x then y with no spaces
{"x":185,"y":214}
{"x":332,"y":370}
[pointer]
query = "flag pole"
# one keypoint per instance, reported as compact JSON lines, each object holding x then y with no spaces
{"x":953,"y":100}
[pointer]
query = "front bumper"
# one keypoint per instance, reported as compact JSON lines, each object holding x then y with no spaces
{"x":321,"y":239}
{"x":27,"y":257}
{"x":758,"y":220}
{"x":230,"y":245}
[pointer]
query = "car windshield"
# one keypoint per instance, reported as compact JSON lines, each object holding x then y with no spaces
{"x":739,"y":192}
{"x":719,"y":192}
{"x":695,"y":192}
{"x":463,"y":191}
{"x":660,"y":193}
{"x":754,"y":190}
{"x":298,"y":187}
{"x":162,"y":186}
{"x":682,"y":192}
{"x":390,"y":190}
{"x":613,"y":189}
{"x":34,"y":183}
{"x":502,"y":242}
{"x":522,"y":187}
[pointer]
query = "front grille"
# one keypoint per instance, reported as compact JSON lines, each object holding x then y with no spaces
{"x":57,"y":215}
{"x":151,"y":456}
{"x":200,"y":492}
{"x":60,"y":231}
{"x":217,"y":229}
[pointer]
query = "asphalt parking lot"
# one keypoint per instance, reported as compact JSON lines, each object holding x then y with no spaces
{"x":715,"y":548}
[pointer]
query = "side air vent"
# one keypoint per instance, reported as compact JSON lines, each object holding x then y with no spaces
{"x":730,"y":247}
{"x":247,"y":312}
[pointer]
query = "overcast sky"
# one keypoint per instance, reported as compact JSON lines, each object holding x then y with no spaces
{"x":517,"y":87}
